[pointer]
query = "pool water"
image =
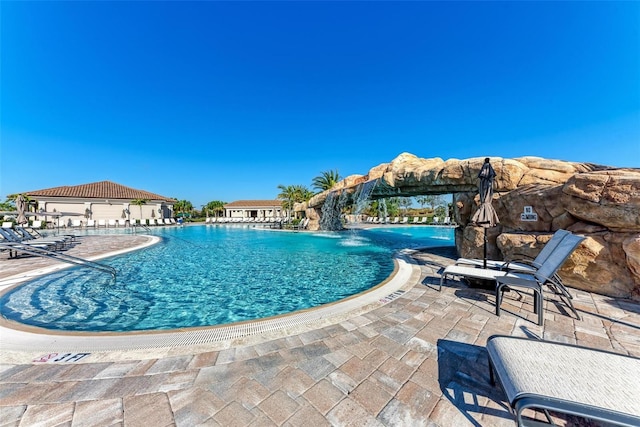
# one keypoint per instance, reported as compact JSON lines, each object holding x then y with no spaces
{"x":208,"y":275}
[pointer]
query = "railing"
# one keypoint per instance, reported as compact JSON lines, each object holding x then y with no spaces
{"x":146,"y":228}
{"x":44,"y":253}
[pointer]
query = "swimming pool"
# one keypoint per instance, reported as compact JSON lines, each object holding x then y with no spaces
{"x":209,"y":275}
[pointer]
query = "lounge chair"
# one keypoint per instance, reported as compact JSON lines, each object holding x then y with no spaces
{"x":76,"y":223}
{"x":30,"y":233}
{"x":102,"y":223}
{"x":122,"y":223}
{"x":12,"y":246}
{"x":565,"y":378}
{"x":519,"y":264}
{"x":424,"y":220}
{"x":111,"y":223}
{"x":534,"y":280}
{"x":436,"y":220}
{"x":91,"y":223}
{"x":416,"y":220}
{"x":12,"y":236}
{"x":405,"y":220}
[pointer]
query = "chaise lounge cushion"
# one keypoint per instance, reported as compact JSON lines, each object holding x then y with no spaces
{"x":566,"y":378}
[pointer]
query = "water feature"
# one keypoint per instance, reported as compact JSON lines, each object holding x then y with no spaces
{"x":382,"y":209}
{"x":361,"y":197}
{"x":331,"y":213}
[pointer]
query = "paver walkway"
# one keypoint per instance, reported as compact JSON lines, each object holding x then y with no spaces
{"x":417,"y":361}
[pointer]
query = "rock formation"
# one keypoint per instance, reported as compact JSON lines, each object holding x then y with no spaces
{"x":602,"y":203}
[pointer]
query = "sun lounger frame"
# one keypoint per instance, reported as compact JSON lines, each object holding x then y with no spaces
{"x":565,"y":378}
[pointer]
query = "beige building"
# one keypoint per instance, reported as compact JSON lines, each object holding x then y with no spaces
{"x":253,"y":209}
{"x":102,"y":200}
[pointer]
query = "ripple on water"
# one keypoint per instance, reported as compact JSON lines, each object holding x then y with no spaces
{"x":202,"y":276}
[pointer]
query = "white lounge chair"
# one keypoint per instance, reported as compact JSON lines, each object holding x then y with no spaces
{"x":90,"y":223}
{"x":122,"y":223}
{"x":111,"y":223}
{"x":533,"y":280}
{"x":565,"y":378}
{"x":102,"y":223}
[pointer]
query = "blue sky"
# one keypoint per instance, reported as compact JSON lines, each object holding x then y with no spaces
{"x":226,"y":100}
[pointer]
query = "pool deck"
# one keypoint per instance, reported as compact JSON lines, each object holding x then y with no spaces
{"x":417,"y":359}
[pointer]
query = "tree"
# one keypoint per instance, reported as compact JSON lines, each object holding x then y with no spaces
{"x":8,"y":205}
{"x":11,"y":203}
{"x":139,"y":203}
{"x":393,"y":204}
{"x":405,"y":203}
{"x":215,"y":206}
{"x":291,"y":194}
{"x":431,"y":199}
{"x":183,"y":206}
{"x":326,"y":180}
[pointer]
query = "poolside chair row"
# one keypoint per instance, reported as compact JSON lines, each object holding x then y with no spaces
{"x":259,"y":220}
{"x":405,"y":220}
{"x":113,"y":223}
{"x":531,"y":275}
{"x":29,"y":237}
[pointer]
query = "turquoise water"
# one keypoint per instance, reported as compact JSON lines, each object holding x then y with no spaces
{"x":203,"y":276}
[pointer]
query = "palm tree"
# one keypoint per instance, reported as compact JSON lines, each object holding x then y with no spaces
{"x":287,"y":195}
{"x":291,"y":194}
{"x":303,"y":194}
{"x":405,"y":203}
{"x":183,"y":206}
{"x":139,"y":202}
{"x":326,"y":180}
{"x":215,"y":206}
{"x":11,"y":202}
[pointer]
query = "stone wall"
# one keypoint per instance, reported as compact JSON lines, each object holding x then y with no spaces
{"x":599,"y":202}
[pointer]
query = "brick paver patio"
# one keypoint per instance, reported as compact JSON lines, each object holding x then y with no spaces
{"x":418,"y":360}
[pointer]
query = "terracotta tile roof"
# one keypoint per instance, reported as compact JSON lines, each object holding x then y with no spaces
{"x":254,"y":203}
{"x":97,"y":190}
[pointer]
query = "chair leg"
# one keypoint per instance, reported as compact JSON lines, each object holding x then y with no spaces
{"x":539,"y":301}
{"x":499,"y":287}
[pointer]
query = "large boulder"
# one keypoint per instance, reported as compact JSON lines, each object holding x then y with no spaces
{"x":610,"y":198}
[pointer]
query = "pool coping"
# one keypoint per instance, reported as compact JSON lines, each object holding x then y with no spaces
{"x":23,"y":338}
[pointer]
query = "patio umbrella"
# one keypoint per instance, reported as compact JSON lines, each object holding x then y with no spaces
{"x":21,"y":206}
{"x":486,"y":216}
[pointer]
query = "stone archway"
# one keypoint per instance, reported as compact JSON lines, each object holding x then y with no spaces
{"x":599,"y":202}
